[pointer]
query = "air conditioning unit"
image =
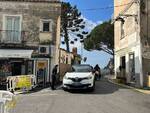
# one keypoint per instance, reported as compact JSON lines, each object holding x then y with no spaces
{"x":44,"y":50}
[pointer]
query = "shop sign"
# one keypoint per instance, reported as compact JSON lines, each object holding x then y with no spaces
{"x":23,"y":81}
{"x":41,"y":64}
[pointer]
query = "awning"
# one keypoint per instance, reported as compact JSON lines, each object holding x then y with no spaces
{"x":14,"y":53}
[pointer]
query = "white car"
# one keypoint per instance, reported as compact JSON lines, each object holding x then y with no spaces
{"x":81,"y":77}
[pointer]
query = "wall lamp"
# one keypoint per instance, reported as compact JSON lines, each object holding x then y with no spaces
{"x":122,"y":17}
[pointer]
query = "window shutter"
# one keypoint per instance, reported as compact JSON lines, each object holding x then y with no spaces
{"x":8,"y":31}
{"x":16,"y":28}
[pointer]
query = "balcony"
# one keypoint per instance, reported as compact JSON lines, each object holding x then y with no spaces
{"x":12,"y":36}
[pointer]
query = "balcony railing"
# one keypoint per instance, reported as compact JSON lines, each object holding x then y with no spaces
{"x":11,"y":36}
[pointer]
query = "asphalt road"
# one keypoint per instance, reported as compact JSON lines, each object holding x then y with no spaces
{"x":107,"y":98}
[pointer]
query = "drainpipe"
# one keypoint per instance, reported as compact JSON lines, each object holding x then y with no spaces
{"x":140,"y":41}
{"x":147,"y":21}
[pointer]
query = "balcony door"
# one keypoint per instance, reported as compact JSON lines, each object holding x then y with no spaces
{"x":12,"y":29}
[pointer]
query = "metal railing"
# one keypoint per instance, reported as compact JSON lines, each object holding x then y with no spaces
{"x":11,"y":36}
{"x":24,"y":83}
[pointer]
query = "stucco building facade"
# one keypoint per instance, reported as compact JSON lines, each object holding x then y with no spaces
{"x":29,"y":37}
{"x":132,"y":56}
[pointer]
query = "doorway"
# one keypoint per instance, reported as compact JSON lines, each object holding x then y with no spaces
{"x":132,"y":66}
{"x":42,"y":72}
{"x":16,"y":68}
{"x":123,"y":67}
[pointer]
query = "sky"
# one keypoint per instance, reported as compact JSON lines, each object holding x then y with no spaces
{"x":93,"y":18}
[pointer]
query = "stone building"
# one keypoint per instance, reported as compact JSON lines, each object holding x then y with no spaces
{"x":72,"y":58}
{"x":67,"y":59}
{"x":132,"y":40}
{"x":29,"y":37}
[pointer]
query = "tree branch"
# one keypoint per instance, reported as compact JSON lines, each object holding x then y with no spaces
{"x":107,"y":51}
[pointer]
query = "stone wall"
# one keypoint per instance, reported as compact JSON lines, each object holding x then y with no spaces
{"x":145,"y":38}
{"x":32,"y":13}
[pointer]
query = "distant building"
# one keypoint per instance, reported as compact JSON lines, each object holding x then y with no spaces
{"x":132,"y":40}
{"x":29,"y":37}
{"x":110,"y":66}
{"x":67,"y":59}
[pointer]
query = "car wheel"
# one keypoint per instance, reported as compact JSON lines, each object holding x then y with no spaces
{"x":65,"y":89}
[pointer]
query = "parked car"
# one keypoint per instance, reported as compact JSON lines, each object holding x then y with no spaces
{"x":80,"y":77}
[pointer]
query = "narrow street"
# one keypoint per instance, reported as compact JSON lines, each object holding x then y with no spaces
{"x":107,"y":98}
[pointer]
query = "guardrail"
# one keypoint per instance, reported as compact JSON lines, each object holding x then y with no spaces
{"x":7,"y":101}
{"x":22,"y":82}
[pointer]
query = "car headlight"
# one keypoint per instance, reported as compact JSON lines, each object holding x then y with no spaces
{"x":89,"y":77}
{"x":65,"y":77}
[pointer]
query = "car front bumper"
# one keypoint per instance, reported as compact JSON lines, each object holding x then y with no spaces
{"x":81,"y":86}
{"x":85,"y":84}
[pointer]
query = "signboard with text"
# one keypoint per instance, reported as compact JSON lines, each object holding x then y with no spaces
{"x":23,"y":82}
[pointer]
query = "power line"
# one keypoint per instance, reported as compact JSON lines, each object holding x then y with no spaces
{"x":107,"y":7}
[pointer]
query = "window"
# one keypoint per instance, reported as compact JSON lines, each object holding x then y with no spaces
{"x":123,"y":62}
{"x":46,"y":25}
{"x":122,"y":30}
{"x":82,"y":68}
{"x":66,"y":60}
{"x":30,"y":67}
{"x":12,"y":28}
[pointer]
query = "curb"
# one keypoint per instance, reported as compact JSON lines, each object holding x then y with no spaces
{"x":129,"y":87}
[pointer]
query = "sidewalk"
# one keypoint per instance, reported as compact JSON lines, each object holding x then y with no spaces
{"x":112,"y":80}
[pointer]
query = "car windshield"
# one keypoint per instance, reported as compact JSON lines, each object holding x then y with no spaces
{"x":82,"y":68}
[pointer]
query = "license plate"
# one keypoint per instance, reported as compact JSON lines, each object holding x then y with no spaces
{"x":77,"y":83}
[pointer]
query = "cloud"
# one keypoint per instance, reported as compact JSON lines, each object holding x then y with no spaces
{"x":99,"y":22}
{"x":89,"y":25}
